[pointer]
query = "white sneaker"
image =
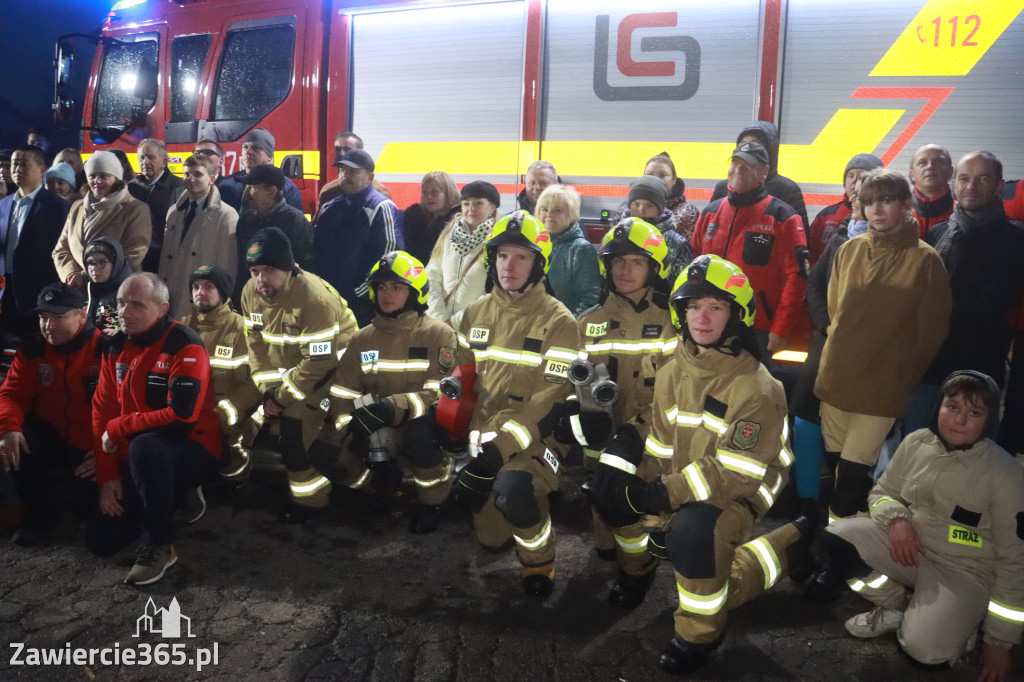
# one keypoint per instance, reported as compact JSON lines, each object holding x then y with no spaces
{"x":875,"y":623}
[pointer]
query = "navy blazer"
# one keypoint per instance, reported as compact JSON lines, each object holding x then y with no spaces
{"x":31,"y":267}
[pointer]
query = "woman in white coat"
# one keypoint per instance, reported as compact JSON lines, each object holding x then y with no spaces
{"x":456,"y":271}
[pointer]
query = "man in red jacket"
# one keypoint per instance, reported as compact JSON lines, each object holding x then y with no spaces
{"x":45,"y":431}
{"x":765,"y":237}
{"x":157,"y":436}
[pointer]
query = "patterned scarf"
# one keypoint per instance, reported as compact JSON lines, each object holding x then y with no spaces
{"x":464,"y":240}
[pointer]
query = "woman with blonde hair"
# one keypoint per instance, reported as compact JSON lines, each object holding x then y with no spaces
{"x":456,"y":271}
{"x":574,"y":274}
{"x":424,"y":222}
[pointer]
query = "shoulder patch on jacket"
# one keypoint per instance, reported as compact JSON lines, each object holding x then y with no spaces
{"x":745,"y":435}
{"x":446,"y":358}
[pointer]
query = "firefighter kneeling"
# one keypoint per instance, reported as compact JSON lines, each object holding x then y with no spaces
{"x":295,"y":325}
{"x":383,"y":391}
{"x":719,"y":423}
{"x":519,"y":341}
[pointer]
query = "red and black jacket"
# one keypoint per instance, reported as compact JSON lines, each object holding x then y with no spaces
{"x":157,"y":382}
{"x":765,"y":238}
{"x":931,"y":212}
{"x":824,"y":228}
{"x":55,"y":384}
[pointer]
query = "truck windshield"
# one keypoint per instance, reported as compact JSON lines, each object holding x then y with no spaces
{"x":255,"y":72}
{"x":188,"y":59}
{"x":116,"y":102}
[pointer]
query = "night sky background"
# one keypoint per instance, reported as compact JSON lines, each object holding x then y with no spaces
{"x":28,"y":31}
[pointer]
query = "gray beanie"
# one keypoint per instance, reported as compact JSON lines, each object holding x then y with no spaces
{"x":864,"y":161}
{"x":650,"y":188}
{"x":262,"y":138}
{"x":104,"y":162}
{"x":61,"y":171}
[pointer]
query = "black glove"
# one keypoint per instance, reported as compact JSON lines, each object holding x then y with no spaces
{"x":372,"y":417}
{"x":624,"y":498}
{"x":589,"y":429}
{"x":477,"y":478}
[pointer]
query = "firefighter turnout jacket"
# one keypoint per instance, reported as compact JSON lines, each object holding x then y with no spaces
{"x":158,"y":381}
{"x":521,"y":348}
{"x":55,"y":384}
{"x":223,"y":333}
{"x":402,"y":358}
{"x":967,"y":506}
{"x":296,"y":338}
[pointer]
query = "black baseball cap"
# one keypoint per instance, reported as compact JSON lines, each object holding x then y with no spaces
{"x":752,"y":152}
{"x":356,"y":158}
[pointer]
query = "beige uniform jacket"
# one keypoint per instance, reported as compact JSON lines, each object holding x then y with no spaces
{"x":967,"y":507}
{"x":401,"y":358}
{"x":223,"y":333}
{"x":521,"y":349}
{"x":634,"y":342}
{"x":296,"y":337}
{"x":718,"y":430}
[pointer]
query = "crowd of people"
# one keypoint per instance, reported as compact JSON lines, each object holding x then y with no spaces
{"x":158,"y":330}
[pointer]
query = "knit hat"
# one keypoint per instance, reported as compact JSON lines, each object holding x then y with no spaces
{"x":650,"y":188}
{"x":270,"y":247}
{"x":217,"y":276}
{"x":266,"y":174}
{"x":58,"y":298}
{"x":61,"y":171}
{"x":864,"y":161}
{"x":104,"y":162}
{"x":262,"y":138}
{"x":478,"y":189}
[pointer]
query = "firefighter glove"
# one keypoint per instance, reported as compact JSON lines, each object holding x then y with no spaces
{"x":372,"y":417}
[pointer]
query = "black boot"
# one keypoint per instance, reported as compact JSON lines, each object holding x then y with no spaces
{"x":682,"y":658}
{"x":425,"y":520}
{"x":386,"y":479}
{"x":798,"y":554}
{"x":630,"y":590}
{"x":841,"y":563}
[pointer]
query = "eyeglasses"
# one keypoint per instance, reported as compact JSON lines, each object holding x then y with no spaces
{"x":97,"y":263}
{"x":205,"y":152}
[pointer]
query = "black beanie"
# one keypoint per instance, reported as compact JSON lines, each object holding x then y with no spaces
{"x":216,"y":275}
{"x":650,"y":188}
{"x":270,"y":247}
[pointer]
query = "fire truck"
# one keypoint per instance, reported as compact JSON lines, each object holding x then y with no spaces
{"x":482,"y":89}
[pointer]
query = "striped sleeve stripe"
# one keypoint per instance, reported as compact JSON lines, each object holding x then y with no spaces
{"x":740,"y":464}
{"x":698,"y":484}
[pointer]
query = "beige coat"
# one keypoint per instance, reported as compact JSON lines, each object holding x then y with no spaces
{"x":210,"y":241}
{"x":117,"y":216}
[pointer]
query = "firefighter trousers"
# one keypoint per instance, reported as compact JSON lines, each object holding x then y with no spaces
{"x":297,"y":429}
{"x":718,"y":567}
{"x":947,"y":606}
{"x":518,"y":507}
{"x":628,"y":542}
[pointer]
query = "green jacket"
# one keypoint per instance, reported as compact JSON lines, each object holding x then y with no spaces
{"x":574,"y":273}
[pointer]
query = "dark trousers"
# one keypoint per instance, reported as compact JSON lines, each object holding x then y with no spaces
{"x":160,"y":470}
{"x":45,"y":480}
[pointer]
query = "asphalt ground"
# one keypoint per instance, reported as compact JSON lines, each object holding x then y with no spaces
{"x":354,"y":596}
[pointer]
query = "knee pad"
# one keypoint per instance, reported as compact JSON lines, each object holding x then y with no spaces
{"x":691,"y":540}
{"x":853,"y":482}
{"x":323,"y":455}
{"x":842,"y":557}
{"x":419,"y":443}
{"x":514,"y":498}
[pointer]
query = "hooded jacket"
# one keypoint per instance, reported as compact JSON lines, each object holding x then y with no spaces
{"x":777,"y":185}
{"x":103,"y":295}
{"x":966,"y":505}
